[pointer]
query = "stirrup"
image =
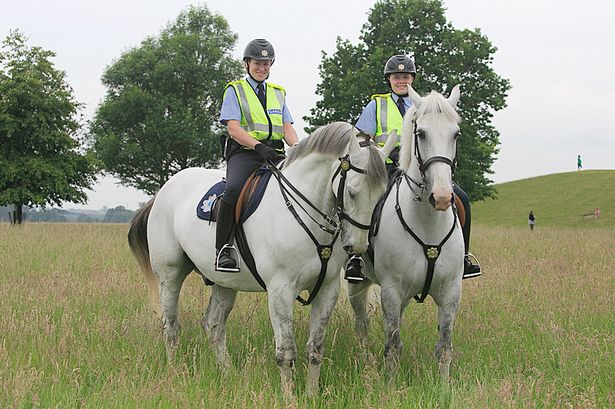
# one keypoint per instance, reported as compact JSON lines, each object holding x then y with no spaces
{"x":474,"y":260}
{"x":230,"y":249}
{"x":354,"y":279}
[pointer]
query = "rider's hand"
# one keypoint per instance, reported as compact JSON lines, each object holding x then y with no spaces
{"x":267,"y":153}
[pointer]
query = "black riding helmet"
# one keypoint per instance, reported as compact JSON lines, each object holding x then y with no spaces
{"x":259,"y":49}
{"x":399,"y":64}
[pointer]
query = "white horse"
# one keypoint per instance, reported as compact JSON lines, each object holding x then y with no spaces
{"x":334,"y":183}
{"x":418,"y":245}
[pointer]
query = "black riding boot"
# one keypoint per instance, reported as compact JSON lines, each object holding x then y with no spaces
{"x":224,"y":247}
{"x":353,"y":269}
{"x":471,"y":266}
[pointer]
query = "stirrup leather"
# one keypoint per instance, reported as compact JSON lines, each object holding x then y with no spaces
{"x":231,"y":249}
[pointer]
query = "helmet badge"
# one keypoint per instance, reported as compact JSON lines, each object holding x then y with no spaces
{"x":400,"y":67}
{"x":264,"y":53}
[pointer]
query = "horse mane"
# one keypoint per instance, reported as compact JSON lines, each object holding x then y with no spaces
{"x":432,"y":104}
{"x":333,"y":139}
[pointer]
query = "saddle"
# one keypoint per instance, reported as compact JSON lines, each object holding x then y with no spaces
{"x":247,"y":203}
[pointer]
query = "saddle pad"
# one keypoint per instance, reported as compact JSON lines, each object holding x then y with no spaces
{"x":205,"y":207}
{"x":251,"y":196}
{"x":253,"y":192}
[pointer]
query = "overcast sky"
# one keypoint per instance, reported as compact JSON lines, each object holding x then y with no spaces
{"x":558,"y":56}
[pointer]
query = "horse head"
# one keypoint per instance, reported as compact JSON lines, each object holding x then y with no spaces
{"x":429,"y":144}
{"x":361,"y":182}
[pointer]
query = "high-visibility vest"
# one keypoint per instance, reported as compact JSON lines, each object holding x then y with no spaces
{"x":388,"y":118}
{"x":253,"y":117}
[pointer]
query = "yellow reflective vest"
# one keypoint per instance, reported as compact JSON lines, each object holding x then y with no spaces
{"x":253,"y":116}
{"x":388,"y":118}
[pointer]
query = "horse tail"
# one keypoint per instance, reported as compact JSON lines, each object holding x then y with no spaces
{"x":137,"y":240}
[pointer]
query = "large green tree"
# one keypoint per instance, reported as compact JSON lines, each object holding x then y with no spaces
{"x":444,"y":56}
{"x":160,"y":113}
{"x":40,"y":158}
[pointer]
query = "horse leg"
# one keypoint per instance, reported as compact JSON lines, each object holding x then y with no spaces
{"x":221,"y":303}
{"x":444,"y":346}
{"x":391,"y":309}
{"x":171,"y":280}
{"x":322,"y":307}
{"x":281,"y":314}
{"x":357,"y":295}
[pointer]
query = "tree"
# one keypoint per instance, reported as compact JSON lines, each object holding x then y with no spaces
{"x":40,"y":158}
{"x":160,"y":113}
{"x":444,"y":57}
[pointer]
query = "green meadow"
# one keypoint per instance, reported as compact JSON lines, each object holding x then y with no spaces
{"x":558,"y":200}
{"x":536,"y":330}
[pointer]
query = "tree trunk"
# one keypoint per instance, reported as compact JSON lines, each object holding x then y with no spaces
{"x":17,"y":214}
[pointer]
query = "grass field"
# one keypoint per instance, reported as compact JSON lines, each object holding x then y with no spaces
{"x":537,"y":330}
{"x":558,"y":200}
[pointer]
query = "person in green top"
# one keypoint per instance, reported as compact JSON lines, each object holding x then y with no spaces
{"x":383,"y":114}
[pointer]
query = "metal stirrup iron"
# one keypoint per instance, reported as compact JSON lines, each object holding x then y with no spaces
{"x":231,"y":249}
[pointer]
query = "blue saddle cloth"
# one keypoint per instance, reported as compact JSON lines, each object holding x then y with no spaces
{"x":207,"y":208}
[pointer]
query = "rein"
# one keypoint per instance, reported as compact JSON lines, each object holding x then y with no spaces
{"x":324,"y":250}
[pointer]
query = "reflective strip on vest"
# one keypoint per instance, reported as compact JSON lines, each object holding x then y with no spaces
{"x":388,"y":118}
{"x":253,"y":118}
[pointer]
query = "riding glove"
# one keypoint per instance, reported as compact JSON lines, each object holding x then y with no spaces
{"x":267,"y":153}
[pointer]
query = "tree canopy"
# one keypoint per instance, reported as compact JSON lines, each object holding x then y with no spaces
{"x":160,"y":112}
{"x":444,"y":57}
{"x":40,"y":158}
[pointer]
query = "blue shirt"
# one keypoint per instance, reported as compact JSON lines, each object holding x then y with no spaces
{"x":231,"y":110}
{"x":367,"y":121}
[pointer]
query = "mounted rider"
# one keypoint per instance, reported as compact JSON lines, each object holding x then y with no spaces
{"x":258,"y":121}
{"x":383,"y":114}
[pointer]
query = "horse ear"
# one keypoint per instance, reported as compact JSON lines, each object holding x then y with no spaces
{"x":354,"y":146}
{"x":414,"y":96}
{"x":453,"y":99}
{"x":389,"y":145}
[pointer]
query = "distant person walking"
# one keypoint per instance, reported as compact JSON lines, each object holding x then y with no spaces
{"x":531,"y":220}
{"x":597,"y":213}
{"x":579,"y":163}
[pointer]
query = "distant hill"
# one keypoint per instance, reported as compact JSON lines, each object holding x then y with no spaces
{"x":562,"y":199}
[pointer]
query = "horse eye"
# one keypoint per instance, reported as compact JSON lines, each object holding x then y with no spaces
{"x":420,"y":133}
{"x":457,"y":134}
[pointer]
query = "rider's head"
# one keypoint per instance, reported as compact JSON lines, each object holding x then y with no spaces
{"x":258,"y":58}
{"x":399,"y":71}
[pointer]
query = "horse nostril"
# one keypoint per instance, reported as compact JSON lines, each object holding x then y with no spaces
{"x":432,"y":200}
{"x":348,"y":249}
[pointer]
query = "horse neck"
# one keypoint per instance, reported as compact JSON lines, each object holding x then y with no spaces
{"x":311,"y":175}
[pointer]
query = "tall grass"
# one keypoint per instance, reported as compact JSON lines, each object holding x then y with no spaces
{"x":537,"y":330}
